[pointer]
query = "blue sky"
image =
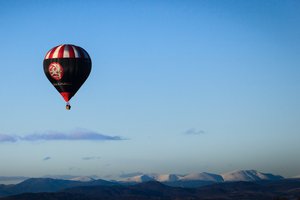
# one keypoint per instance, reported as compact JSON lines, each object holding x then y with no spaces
{"x":175,"y":87}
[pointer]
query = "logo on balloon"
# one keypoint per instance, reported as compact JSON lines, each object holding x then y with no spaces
{"x":56,"y":71}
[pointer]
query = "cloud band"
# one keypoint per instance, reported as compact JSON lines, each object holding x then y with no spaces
{"x":55,"y":136}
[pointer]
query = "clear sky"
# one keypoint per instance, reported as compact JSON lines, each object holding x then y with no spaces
{"x":176,"y":87}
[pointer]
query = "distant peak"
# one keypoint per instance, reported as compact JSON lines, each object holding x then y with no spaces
{"x":249,"y":175}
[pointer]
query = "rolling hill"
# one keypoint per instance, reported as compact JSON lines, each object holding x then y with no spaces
{"x":260,"y":190}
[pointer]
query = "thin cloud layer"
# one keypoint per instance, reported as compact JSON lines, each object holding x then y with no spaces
{"x":91,"y":158}
{"x":193,"y":131}
{"x":55,"y":135}
{"x":7,"y":138}
{"x":46,"y":158}
{"x":70,"y":136}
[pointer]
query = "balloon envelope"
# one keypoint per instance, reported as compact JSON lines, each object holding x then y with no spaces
{"x":67,"y":67}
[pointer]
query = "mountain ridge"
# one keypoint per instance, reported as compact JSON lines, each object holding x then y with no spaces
{"x":153,"y":190}
{"x":249,"y":175}
{"x":193,"y":180}
{"x":237,"y":175}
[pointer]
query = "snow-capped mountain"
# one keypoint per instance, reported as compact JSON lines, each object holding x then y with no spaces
{"x":249,"y":175}
{"x":238,"y":175}
{"x":204,"y":176}
{"x":138,"y":179}
{"x":82,"y":179}
{"x":72,"y":178}
{"x":170,"y":179}
{"x":62,"y":177}
{"x":166,"y":177}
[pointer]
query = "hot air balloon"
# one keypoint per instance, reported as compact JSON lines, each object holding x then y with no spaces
{"x":67,"y":67}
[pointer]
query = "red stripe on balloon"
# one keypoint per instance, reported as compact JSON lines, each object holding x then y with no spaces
{"x":61,"y":52}
{"x":71,"y":51}
{"x":52,"y":52}
{"x":67,"y":51}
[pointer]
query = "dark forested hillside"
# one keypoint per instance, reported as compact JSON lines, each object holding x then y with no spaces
{"x":264,"y":190}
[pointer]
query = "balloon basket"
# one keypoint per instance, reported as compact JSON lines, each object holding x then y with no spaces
{"x":68,"y":106}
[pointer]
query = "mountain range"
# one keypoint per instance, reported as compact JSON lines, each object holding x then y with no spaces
{"x":283,"y":189}
{"x":181,"y":184}
{"x":238,"y":175}
{"x":200,"y":179}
